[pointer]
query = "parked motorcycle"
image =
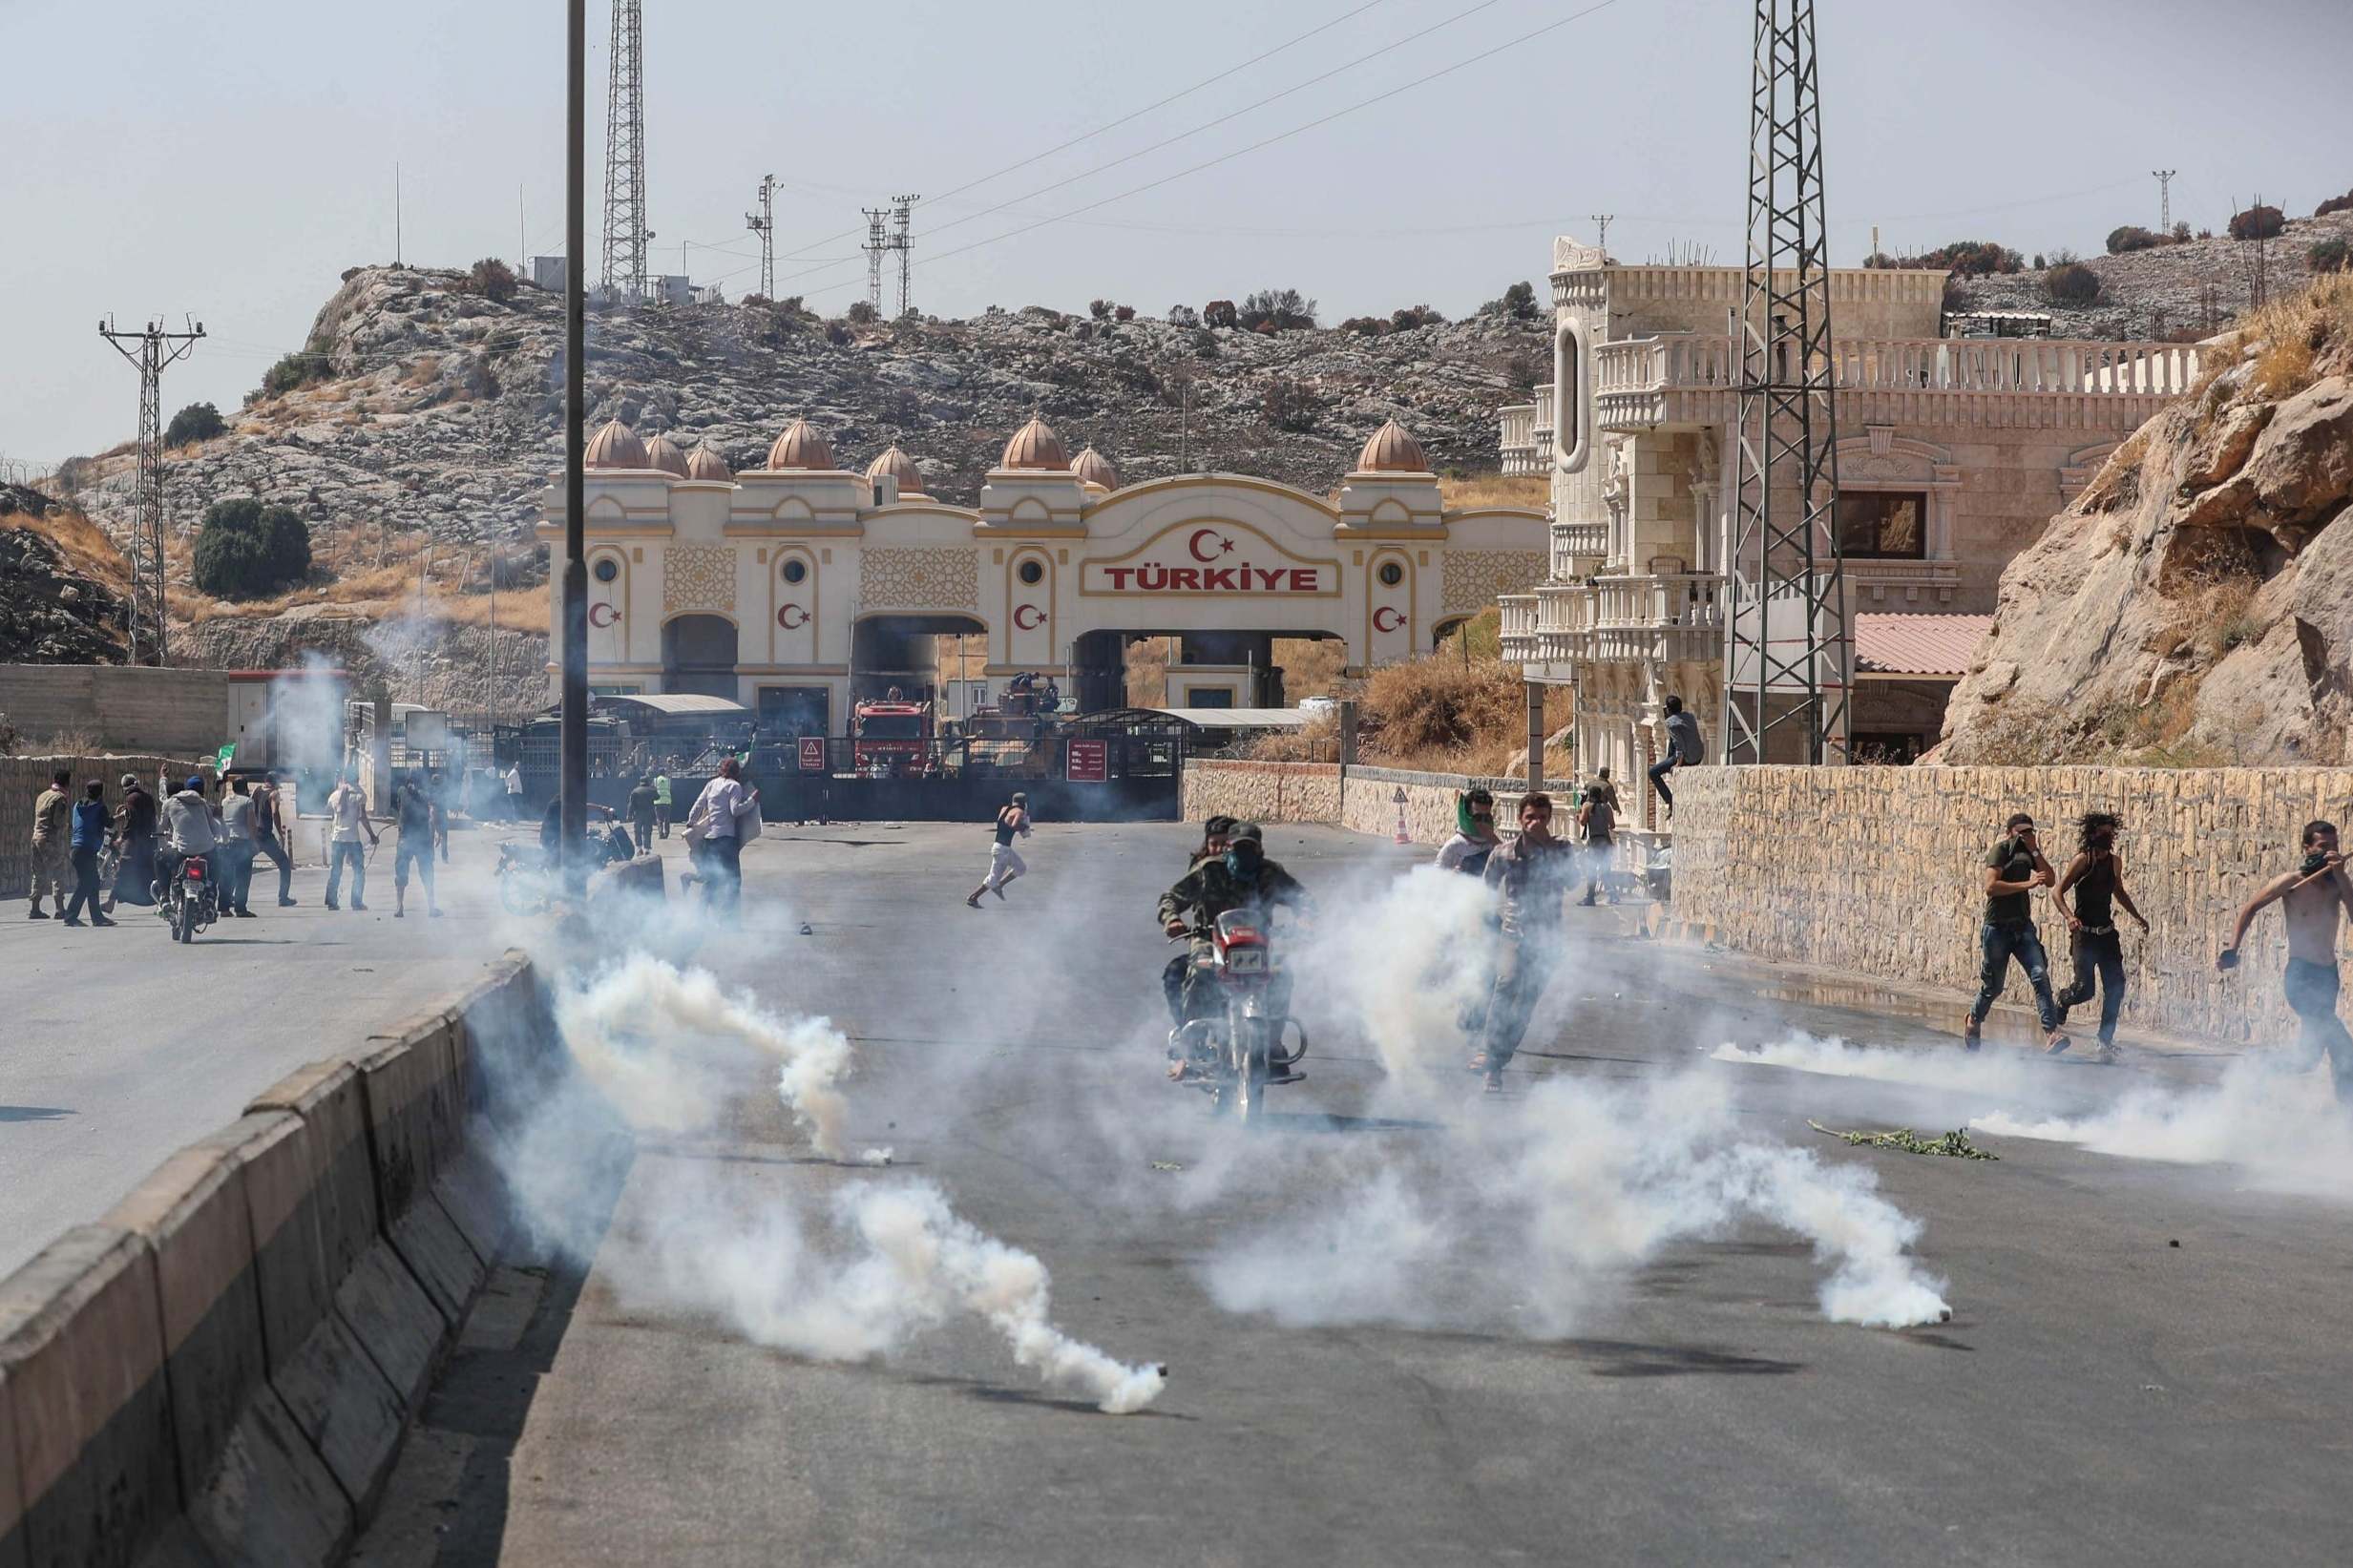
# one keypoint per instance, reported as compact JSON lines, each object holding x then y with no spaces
{"x":193,"y":900}
{"x":528,"y":884}
{"x":1236,"y":1054}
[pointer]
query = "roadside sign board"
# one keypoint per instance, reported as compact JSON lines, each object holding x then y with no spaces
{"x":812,"y":754}
{"x":1089,"y":761}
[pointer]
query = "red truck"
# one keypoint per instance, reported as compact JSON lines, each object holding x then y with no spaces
{"x":891,"y":739}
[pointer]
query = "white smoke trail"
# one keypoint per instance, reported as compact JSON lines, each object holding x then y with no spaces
{"x":1348,"y":976}
{"x":624,"y":1028}
{"x":2285,"y":1128}
{"x":1988,"y":1070}
{"x":643,"y":1033}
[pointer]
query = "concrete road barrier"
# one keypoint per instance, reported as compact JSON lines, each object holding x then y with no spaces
{"x":221,"y":1372}
{"x":254,"y":1490}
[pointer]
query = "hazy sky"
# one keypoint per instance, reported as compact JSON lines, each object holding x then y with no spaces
{"x":230,"y":161}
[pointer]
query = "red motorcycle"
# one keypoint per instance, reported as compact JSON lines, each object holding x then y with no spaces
{"x":1237,"y":1053}
{"x":193,"y":900}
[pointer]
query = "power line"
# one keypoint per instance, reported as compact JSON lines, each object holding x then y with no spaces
{"x":627,"y":238}
{"x":156,"y":349}
{"x":763,"y":223}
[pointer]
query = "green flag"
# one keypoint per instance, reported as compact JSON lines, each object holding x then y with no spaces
{"x":226,"y":752}
{"x":743,"y":758}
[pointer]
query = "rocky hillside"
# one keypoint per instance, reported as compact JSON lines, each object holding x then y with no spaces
{"x":2194,"y":605}
{"x":433,"y":410}
{"x":59,"y":606}
{"x":2192,"y":289}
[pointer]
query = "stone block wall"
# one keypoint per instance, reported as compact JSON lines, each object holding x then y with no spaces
{"x":1369,"y":802}
{"x":22,"y":779}
{"x":1261,"y":791}
{"x":1880,"y":870}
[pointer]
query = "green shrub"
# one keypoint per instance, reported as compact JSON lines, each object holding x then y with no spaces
{"x":2133,"y":237}
{"x":196,"y":422}
{"x":293,"y":370}
{"x":248,"y":551}
{"x":2330,"y":255}
{"x":1409,"y":316}
{"x":861,"y":314}
{"x":1276,"y":309}
{"x":2258,"y":222}
{"x":491,"y":279}
{"x":1290,"y":405}
{"x":2071,"y":283}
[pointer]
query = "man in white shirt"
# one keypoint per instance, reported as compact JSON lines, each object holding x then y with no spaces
{"x":514,"y":792}
{"x":718,"y":816}
{"x":347,"y":810}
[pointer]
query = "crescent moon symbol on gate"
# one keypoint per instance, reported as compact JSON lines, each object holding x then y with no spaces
{"x":602,"y":614}
{"x":1224,"y":546}
{"x":1388,"y":618}
{"x":784,"y":618}
{"x":1021,"y":618}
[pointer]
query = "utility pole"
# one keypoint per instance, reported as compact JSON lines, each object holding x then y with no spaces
{"x":2165,"y":199}
{"x":573,"y":723}
{"x":764,"y":224}
{"x":396,"y":251}
{"x":876,"y":243}
{"x":150,"y":349}
{"x":903,"y":241}
{"x":626,"y":237}
{"x":1787,"y":654}
{"x":1601,"y":241}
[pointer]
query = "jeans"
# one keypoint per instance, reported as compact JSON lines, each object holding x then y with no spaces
{"x":1523,"y":965}
{"x":2099,"y":965}
{"x":1658,"y":780}
{"x":2312,"y":996}
{"x":1598,"y":853}
{"x":85,"y":863}
{"x":724,"y":865}
{"x":340,"y":855}
{"x":644,"y":835}
{"x":236,"y":876}
{"x":1997,"y":945}
{"x":267,"y":847}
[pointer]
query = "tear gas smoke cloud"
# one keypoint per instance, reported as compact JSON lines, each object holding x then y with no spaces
{"x":663,"y":1048}
{"x":307,"y":718}
{"x":2285,"y":1127}
{"x":1551,"y":1199}
{"x":1981,"y":1071}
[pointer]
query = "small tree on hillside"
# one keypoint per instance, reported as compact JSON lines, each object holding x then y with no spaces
{"x":1289,"y":406}
{"x":491,"y":279}
{"x":2330,"y":255}
{"x":1183,"y":315}
{"x":1220,"y":313}
{"x":2335,"y":204}
{"x":2133,"y":237}
{"x":248,"y":551}
{"x":2258,"y":222}
{"x":861,"y":314}
{"x":196,"y":422}
{"x":1520,"y":299}
{"x":1283,"y":309}
{"x":2071,"y":283}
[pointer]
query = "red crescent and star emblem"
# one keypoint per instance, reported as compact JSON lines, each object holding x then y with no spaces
{"x":792,"y":617}
{"x":1224,"y":546}
{"x":1029,"y":617}
{"x":602,"y":614}
{"x":1388,"y":618}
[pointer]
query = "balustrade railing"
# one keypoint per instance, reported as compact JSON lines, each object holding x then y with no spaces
{"x":1697,"y":360}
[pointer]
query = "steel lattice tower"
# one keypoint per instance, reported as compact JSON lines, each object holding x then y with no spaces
{"x":627,"y":238}
{"x":1788,"y":652}
{"x":876,"y":243}
{"x":902,"y":240}
{"x":764,"y":224}
{"x":151,"y":350}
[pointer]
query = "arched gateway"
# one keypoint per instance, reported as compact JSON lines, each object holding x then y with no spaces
{"x":833,"y":582}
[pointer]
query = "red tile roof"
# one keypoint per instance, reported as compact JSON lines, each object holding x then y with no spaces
{"x":1893,"y":644}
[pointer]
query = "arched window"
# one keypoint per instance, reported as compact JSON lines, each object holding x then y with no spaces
{"x":1571,"y":419}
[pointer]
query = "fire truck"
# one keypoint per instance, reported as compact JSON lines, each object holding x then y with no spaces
{"x":891,"y":739}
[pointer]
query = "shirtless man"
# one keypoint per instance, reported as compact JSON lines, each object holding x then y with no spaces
{"x":2312,"y":895}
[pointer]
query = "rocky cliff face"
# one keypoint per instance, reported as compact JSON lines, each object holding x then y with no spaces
{"x":440,"y":411}
{"x":54,"y":609}
{"x":2194,"y":605}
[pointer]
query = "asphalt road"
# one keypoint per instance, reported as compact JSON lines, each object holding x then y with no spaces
{"x":2146,"y":1362}
{"x":119,"y":1046}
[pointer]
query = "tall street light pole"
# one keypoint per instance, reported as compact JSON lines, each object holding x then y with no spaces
{"x":573,"y":732}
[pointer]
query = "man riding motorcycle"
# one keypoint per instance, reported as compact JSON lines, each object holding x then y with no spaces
{"x":190,"y":830}
{"x":1242,"y":878}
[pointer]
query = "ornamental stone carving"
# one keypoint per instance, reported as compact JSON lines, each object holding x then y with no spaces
{"x":922,"y":579}
{"x":698,"y":576}
{"x":1475,"y":579}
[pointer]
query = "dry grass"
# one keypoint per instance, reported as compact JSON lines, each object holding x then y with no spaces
{"x":1311,"y":666}
{"x":2301,"y":336}
{"x":1445,"y":714}
{"x":1317,"y":741}
{"x":1532,"y":490}
{"x":81,"y":544}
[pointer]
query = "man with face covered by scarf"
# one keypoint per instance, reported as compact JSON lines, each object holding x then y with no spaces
{"x":1242,"y":878}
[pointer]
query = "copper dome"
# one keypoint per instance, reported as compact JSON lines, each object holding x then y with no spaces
{"x":894,"y":464}
{"x":1034,"y":447}
{"x":615,"y":447}
{"x":707,"y":464}
{"x":661,"y":455}
{"x":802,"y":446}
{"x":1093,"y":468}
{"x":1393,"y":449}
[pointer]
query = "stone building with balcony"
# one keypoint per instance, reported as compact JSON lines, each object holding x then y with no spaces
{"x":1953,"y":455}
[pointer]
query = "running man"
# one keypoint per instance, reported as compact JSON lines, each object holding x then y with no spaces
{"x":2096,"y":878}
{"x":2014,"y":867}
{"x":1533,"y":874}
{"x":2313,"y":896}
{"x":1598,"y":817}
{"x":1006,"y":863}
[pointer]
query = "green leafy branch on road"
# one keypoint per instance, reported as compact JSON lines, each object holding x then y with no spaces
{"x":1954,"y":1143}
